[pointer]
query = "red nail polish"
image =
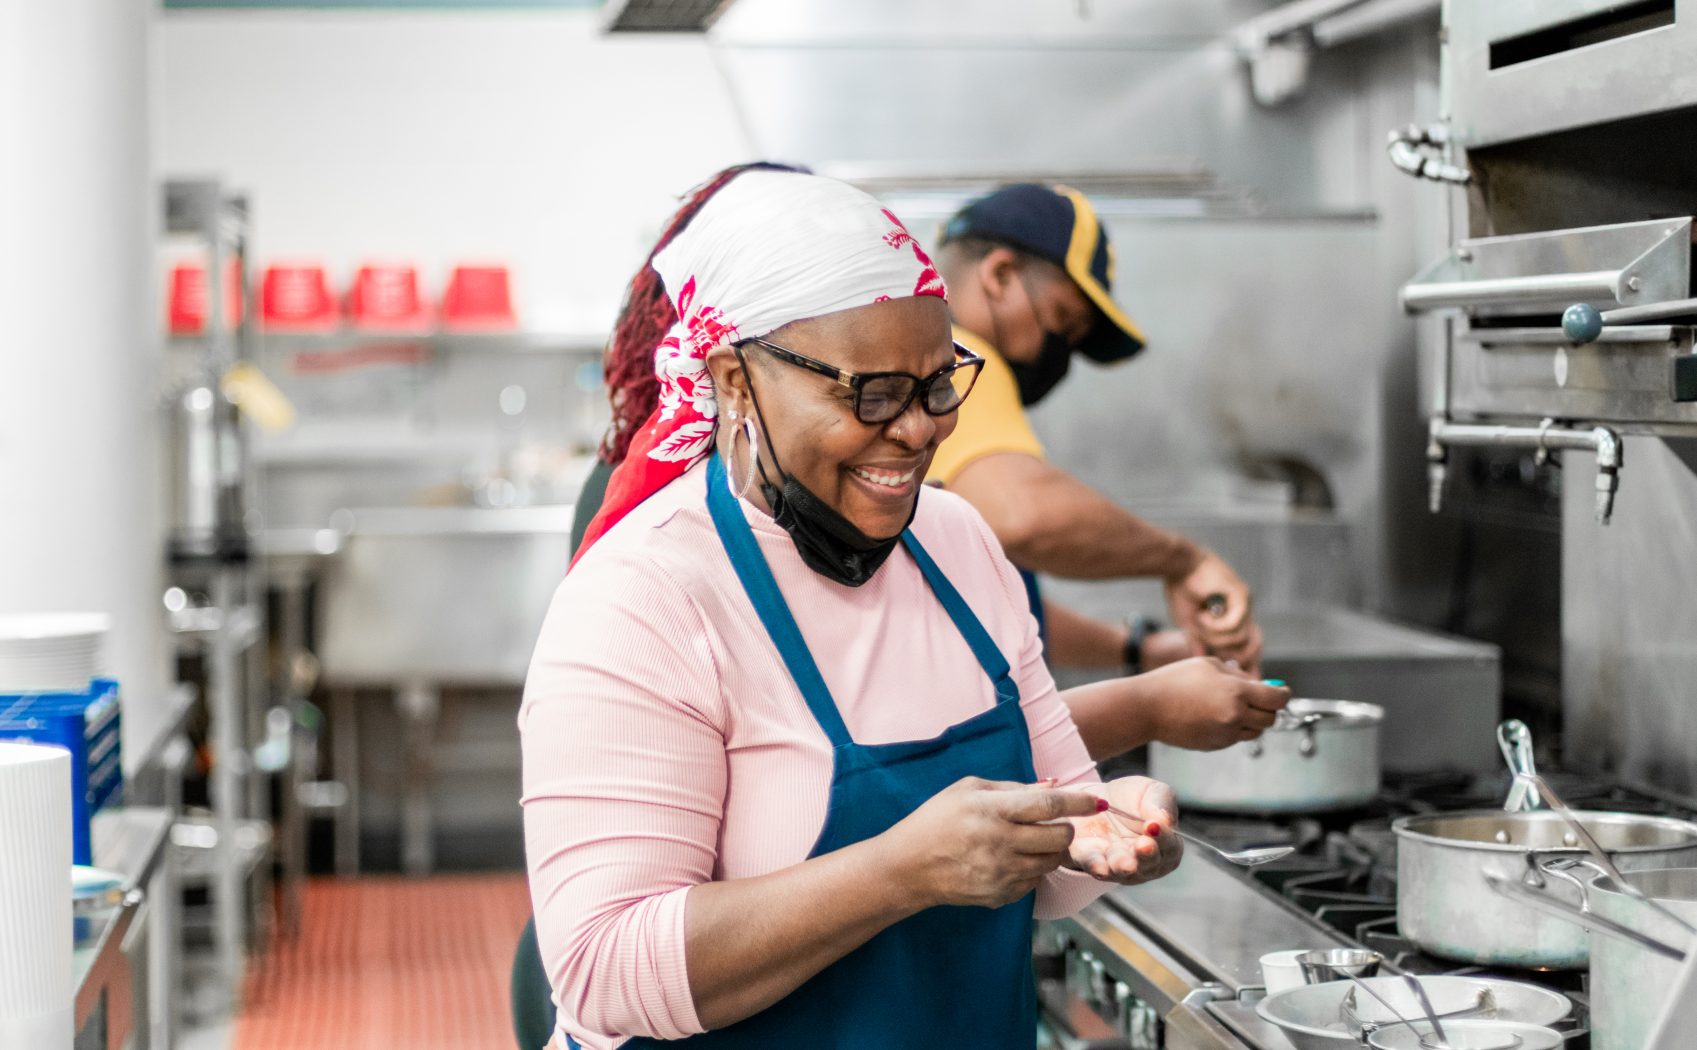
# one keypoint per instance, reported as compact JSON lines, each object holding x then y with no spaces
{"x":1101,"y":805}
{"x":1154,"y":830}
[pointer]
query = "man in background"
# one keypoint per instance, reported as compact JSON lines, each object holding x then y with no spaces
{"x":1029,"y":271}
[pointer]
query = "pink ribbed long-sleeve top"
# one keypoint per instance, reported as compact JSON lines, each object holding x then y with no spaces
{"x":665,"y":744}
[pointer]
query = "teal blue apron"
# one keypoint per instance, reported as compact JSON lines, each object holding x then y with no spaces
{"x":948,"y":976}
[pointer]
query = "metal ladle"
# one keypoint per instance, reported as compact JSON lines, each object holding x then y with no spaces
{"x":1541,"y":787}
{"x":1431,"y":1015}
{"x":1515,"y":742}
{"x":1436,"y":1040}
{"x":1529,"y":789}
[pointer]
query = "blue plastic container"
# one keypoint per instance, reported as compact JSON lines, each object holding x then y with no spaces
{"x":86,"y":724}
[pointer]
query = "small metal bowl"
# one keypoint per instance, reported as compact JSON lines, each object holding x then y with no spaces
{"x":1467,"y":1035}
{"x":1338,"y":964}
{"x":94,"y":890}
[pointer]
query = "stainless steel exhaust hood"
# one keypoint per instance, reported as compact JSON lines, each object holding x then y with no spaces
{"x":661,"y":16}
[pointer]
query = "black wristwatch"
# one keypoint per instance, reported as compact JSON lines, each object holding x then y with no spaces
{"x":1141,"y":627}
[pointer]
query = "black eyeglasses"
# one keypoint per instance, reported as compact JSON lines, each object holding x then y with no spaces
{"x":882,"y":396}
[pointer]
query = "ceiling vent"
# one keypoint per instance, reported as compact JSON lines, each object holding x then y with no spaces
{"x":661,"y":16}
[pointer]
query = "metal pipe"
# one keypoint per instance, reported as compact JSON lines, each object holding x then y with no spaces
{"x":1408,"y":148}
{"x":1253,"y":36}
{"x":1546,"y":437}
{"x":1369,"y":19}
{"x":228,"y":786}
{"x":1502,"y":291}
{"x":1650,"y":311}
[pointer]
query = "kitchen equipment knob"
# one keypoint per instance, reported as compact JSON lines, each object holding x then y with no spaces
{"x":1582,"y":323}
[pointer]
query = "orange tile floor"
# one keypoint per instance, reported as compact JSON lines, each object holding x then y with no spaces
{"x":391,"y":963}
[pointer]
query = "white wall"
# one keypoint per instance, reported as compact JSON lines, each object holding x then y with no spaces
{"x":79,"y":516}
{"x":523,"y":137}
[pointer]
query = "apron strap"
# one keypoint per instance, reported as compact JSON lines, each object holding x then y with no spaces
{"x":769,"y":605}
{"x":966,"y":622}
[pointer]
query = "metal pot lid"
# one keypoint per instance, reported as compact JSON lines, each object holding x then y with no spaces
{"x":1324,"y":714}
{"x":1544,"y":831}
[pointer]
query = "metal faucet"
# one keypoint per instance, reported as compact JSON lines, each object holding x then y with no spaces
{"x":1546,"y":437}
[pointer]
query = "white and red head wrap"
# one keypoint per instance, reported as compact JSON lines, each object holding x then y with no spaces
{"x":769,"y":248}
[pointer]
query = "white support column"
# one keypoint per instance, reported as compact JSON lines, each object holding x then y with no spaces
{"x":80,"y":519}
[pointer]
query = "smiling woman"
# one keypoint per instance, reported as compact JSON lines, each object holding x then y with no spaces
{"x":788,"y":733}
{"x":856,"y":477}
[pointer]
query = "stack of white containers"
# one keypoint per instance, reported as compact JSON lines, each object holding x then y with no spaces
{"x":46,"y":652}
{"x":50,"y":652}
{"x":36,"y":993}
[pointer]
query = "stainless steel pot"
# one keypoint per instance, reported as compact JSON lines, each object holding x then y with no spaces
{"x":1630,"y":984}
{"x":1444,"y":903}
{"x":1320,"y":755}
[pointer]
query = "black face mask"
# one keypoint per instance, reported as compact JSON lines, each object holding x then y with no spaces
{"x":829,"y":543}
{"x":1037,"y":378}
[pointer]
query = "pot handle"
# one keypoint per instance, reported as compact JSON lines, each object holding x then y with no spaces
{"x":1518,"y":891}
{"x":1562,"y":868}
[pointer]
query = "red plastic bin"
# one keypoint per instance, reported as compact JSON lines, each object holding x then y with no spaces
{"x":385,"y":298}
{"x":297,"y":299}
{"x":186,"y":296}
{"x":478,"y":299}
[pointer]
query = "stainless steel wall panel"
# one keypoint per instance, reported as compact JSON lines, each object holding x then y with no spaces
{"x":1629,"y":628}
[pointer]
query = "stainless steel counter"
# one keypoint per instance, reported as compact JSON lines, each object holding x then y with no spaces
{"x":1219,"y":921}
{"x":112,"y":1001}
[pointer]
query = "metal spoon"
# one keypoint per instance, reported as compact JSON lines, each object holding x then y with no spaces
{"x":1249,"y":858}
{"x":1426,"y":1005}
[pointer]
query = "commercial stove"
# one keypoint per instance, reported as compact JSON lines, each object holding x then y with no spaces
{"x":1175,"y":964}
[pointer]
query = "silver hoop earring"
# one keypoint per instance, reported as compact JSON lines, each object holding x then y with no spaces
{"x":751,"y":438}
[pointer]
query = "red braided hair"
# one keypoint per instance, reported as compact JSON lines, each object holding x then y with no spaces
{"x":644,"y":319}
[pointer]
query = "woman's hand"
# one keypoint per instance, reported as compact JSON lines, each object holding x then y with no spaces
{"x":1204,"y":705}
{"x":984,"y":842}
{"x":1129,"y":851}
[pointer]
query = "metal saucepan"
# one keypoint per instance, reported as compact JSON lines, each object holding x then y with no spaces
{"x":1320,"y":755}
{"x":1634,"y":947}
{"x":1629,"y":985}
{"x":1444,"y":903}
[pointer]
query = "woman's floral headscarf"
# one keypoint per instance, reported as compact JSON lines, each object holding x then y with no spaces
{"x":770,"y":248}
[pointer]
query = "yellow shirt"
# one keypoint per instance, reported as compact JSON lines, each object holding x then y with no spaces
{"x":991,"y":418}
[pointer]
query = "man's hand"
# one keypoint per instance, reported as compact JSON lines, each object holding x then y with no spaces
{"x":1203,"y":705}
{"x":1210,"y":603}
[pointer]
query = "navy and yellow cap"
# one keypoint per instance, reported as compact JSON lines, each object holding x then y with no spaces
{"x":1058,"y":224}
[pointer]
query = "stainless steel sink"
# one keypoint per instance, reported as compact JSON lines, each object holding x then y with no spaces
{"x":1441,"y":694}
{"x":439,"y":595}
